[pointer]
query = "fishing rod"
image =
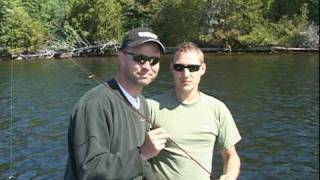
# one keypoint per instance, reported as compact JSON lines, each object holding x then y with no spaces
{"x":147,"y":119}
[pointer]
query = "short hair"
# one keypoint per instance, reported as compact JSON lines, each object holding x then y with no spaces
{"x":189,"y":47}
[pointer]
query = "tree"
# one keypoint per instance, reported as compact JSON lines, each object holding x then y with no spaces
{"x":137,"y":13}
{"x":32,"y":25}
{"x":110,"y":20}
{"x":290,"y":8}
{"x":243,"y":23}
{"x":21,"y":33}
{"x":179,"y":21}
{"x":99,"y":20}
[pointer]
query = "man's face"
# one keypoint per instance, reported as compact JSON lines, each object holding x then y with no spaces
{"x":184,"y":63}
{"x":140,"y":73}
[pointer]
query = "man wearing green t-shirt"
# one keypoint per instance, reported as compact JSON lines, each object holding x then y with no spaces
{"x":195,"y":122}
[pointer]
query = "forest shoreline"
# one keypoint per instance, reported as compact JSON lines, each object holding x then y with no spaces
{"x":110,"y":50}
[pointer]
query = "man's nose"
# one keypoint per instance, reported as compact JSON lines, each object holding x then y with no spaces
{"x":186,"y":72}
{"x":146,"y":65}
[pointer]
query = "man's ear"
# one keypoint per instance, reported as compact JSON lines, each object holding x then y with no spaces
{"x":171,"y":68}
{"x":203,"y":68}
{"x":121,"y":57}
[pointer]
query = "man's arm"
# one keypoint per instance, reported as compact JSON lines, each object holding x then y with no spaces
{"x":231,"y":164}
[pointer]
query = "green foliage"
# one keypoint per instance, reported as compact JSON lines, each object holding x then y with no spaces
{"x":110,"y":26}
{"x":99,"y":20}
{"x":21,"y":32}
{"x":238,"y":18}
{"x":137,"y":13}
{"x":82,"y":18}
{"x":244,"y":23}
{"x":50,"y":13}
{"x":261,"y":35}
{"x":179,"y":21}
{"x":278,"y":8}
{"x":290,"y":30}
{"x":32,"y":25}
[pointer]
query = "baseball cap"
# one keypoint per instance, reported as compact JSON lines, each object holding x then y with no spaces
{"x":139,"y":36}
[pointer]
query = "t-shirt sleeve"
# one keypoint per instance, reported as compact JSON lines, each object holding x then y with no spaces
{"x":228,"y":132}
{"x":91,"y":146}
{"x":153,"y":107}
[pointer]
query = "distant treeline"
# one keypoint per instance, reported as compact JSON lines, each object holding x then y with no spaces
{"x":28,"y":26}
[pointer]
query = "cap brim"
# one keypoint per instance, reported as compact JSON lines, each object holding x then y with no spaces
{"x":142,"y":41}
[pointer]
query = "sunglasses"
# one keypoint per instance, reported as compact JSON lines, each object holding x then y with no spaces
{"x":141,"y":59}
{"x":190,"y":67}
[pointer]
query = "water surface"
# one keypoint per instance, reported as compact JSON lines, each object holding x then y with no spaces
{"x":274,"y":100}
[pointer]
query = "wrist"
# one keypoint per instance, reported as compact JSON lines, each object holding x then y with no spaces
{"x":140,"y":152}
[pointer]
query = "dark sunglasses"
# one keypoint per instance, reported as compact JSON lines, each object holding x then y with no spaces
{"x":190,"y":67}
{"x":141,"y":59}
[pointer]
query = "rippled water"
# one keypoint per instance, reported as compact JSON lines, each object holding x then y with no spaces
{"x":274,"y":100}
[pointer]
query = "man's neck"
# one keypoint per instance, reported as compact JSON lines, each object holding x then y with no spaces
{"x":133,"y":89}
{"x":187,"y":97}
{"x":134,"y":101}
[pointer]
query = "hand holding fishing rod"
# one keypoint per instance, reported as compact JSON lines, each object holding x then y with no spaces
{"x":154,"y":142}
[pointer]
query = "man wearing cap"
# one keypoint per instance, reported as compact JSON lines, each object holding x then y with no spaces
{"x":106,"y":138}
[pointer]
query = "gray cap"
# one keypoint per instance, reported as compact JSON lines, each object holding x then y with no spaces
{"x":139,"y":36}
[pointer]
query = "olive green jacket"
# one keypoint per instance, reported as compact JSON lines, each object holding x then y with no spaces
{"x":103,"y":137}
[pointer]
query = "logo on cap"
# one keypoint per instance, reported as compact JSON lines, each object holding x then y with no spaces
{"x":147,"y":34}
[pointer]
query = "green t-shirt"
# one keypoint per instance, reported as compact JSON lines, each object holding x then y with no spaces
{"x":195,"y":127}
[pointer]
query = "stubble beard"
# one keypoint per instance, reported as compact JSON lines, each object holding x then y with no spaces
{"x":141,"y":81}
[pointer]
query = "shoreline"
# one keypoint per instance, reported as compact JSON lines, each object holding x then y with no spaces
{"x":97,"y":51}
{"x":274,"y":49}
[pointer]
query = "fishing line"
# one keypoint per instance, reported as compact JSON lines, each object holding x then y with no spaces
{"x":11,"y":177}
{"x":147,"y":119}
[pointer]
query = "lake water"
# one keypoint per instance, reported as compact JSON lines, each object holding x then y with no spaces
{"x":274,"y":99}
